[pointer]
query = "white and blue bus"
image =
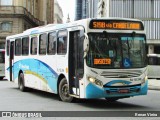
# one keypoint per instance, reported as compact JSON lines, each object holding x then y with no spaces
{"x":90,"y":58}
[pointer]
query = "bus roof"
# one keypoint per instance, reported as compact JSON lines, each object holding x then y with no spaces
{"x":45,"y":28}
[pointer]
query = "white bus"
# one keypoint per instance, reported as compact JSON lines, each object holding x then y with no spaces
{"x":2,"y":61}
{"x":90,"y":58}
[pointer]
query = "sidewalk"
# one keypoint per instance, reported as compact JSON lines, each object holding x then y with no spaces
{"x":153,"y":84}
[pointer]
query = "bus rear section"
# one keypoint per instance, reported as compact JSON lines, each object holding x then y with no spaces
{"x":2,"y":61}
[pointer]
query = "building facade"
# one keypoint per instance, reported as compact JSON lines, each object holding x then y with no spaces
{"x":92,"y":8}
{"x":146,"y":10}
{"x":58,"y":14}
{"x":81,"y":10}
{"x":19,"y":15}
{"x":103,"y":8}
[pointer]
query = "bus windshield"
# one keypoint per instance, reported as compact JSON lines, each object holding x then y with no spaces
{"x":116,"y":50}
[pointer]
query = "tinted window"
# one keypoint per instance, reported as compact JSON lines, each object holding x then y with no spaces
{"x":34,"y":46}
{"x":62,"y":42}
{"x":52,"y":43}
{"x":42,"y":43}
{"x":18,"y":47}
{"x":25,"y":46}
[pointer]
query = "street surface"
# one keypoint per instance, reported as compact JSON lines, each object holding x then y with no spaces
{"x":12,"y":99}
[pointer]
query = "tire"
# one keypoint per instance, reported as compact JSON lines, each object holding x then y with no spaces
{"x":63,"y":91}
{"x":21,"y":85}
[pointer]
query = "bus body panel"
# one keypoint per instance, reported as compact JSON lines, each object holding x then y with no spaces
{"x":38,"y":71}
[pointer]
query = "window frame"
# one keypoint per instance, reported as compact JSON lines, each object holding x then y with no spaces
{"x":3,"y":29}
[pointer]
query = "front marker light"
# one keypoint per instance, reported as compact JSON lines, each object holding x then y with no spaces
{"x":95,"y":81}
{"x":98,"y":82}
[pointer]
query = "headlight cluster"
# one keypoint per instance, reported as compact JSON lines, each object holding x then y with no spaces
{"x":144,"y":79}
{"x":95,"y":81}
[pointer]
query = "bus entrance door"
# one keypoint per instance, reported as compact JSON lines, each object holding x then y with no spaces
{"x":11,"y":57}
{"x":75,"y":62}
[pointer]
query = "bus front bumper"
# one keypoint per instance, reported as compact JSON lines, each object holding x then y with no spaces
{"x":93,"y":91}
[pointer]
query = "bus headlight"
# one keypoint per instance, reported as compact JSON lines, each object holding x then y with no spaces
{"x":144,"y":79}
{"x":95,"y":81}
{"x":91,"y":79}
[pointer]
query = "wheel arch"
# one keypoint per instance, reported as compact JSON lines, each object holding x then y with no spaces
{"x":60,"y":77}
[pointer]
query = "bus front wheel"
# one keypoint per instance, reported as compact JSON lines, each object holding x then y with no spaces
{"x":21,"y":85}
{"x":64,"y":91}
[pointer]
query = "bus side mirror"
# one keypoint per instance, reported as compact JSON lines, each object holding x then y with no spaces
{"x":85,"y":45}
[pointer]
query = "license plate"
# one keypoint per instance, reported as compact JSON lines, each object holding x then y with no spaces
{"x":123,"y":91}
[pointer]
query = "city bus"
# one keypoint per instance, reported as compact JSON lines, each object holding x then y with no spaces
{"x":2,"y":61}
{"x":92,"y":58}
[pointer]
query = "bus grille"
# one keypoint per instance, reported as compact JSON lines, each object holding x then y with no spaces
{"x":121,"y":74}
{"x":131,"y":89}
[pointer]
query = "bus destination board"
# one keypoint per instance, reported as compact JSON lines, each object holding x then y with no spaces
{"x":116,"y":24}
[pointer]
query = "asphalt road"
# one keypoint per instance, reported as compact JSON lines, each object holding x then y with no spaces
{"x":12,"y":99}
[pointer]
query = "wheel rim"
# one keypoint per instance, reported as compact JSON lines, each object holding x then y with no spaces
{"x":65,"y":92}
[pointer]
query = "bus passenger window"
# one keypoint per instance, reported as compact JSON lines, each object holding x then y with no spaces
{"x":52,"y":43}
{"x":62,"y":42}
{"x":42,"y":44}
{"x":18,"y":47}
{"x":62,"y":45}
{"x":25,"y":46}
{"x":34,"y":45}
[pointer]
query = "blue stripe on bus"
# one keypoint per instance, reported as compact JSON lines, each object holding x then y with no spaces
{"x":38,"y":67}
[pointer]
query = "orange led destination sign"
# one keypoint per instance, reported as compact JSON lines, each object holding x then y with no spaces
{"x":116,"y":24}
{"x":102,"y":61}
